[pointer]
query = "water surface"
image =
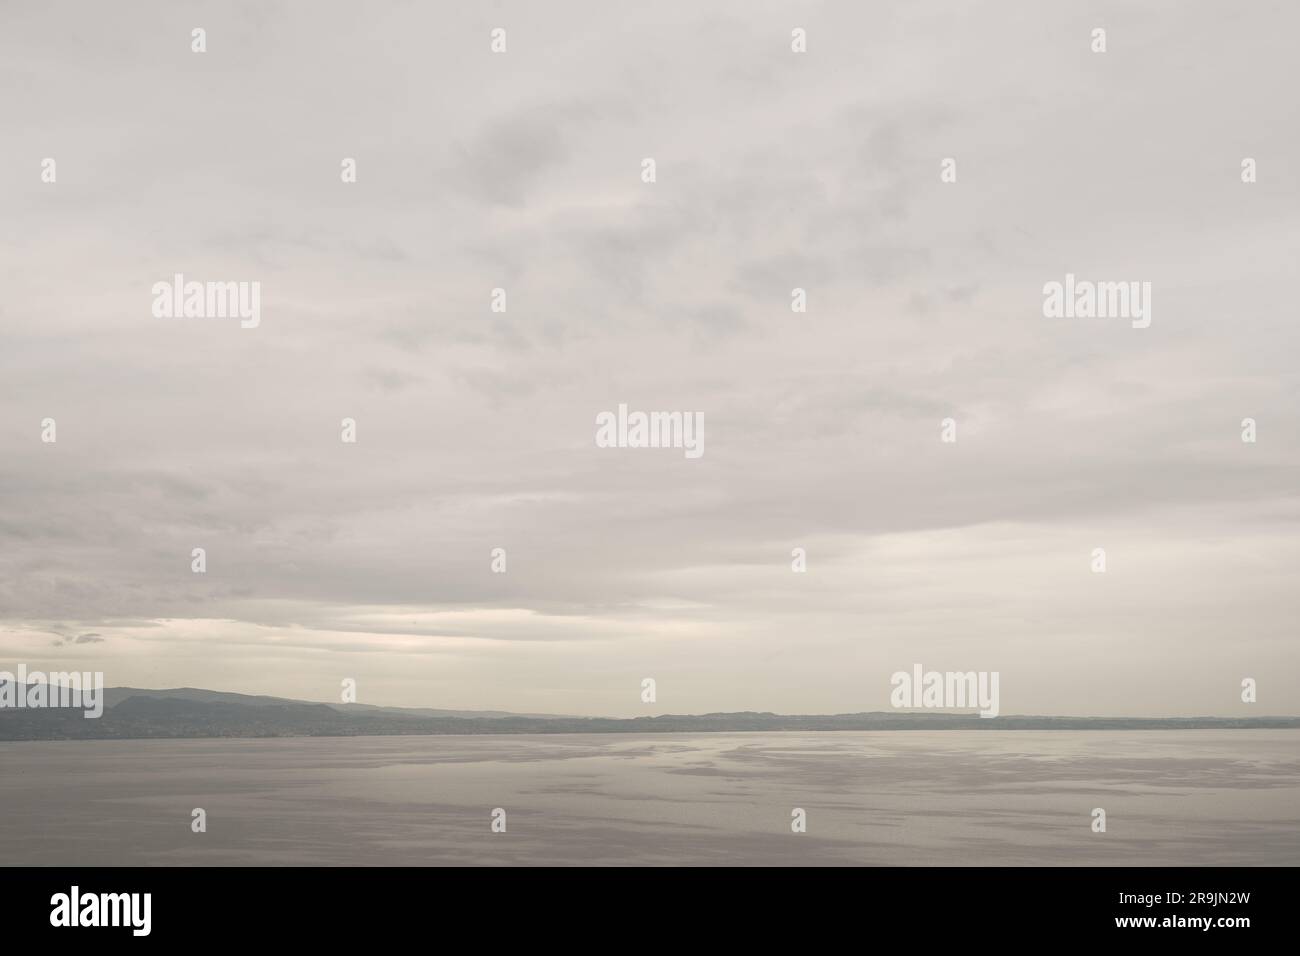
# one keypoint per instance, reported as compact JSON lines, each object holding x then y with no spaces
{"x":1209,"y":797}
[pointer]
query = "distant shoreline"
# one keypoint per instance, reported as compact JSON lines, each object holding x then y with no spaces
{"x":624,"y":733}
{"x":190,"y":713}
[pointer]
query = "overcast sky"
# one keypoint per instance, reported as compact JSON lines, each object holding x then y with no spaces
{"x":475,"y":430}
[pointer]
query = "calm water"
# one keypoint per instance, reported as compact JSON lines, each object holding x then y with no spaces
{"x":977,"y":798}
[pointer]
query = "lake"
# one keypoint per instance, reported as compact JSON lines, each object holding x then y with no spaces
{"x":980,"y":798}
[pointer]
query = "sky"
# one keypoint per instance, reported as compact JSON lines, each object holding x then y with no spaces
{"x":774,"y":170}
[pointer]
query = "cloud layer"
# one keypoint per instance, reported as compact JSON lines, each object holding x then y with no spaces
{"x":475,"y":429}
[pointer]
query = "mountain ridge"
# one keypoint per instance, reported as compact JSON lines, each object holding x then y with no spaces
{"x":189,"y":712}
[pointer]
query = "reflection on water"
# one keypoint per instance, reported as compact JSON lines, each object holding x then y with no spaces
{"x":911,"y":797}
